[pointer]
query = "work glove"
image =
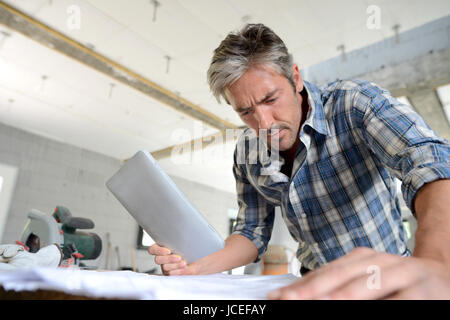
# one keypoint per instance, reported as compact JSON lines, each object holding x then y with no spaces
{"x":15,"y":257}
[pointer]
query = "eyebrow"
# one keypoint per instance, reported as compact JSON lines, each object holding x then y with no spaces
{"x":267,"y":96}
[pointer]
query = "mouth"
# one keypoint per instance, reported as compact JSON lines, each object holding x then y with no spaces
{"x":277,"y":134}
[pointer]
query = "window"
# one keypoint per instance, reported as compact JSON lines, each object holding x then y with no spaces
{"x":444,"y":96}
{"x":144,"y":240}
{"x":232,"y":223}
{"x":404,"y":100}
{"x":232,"y":217}
{"x":8,"y":176}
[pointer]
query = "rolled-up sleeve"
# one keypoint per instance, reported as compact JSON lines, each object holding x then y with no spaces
{"x":256,"y":216}
{"x":402,"y":141}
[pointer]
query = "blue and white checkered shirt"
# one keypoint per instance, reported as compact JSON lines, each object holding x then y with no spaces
{"x":341,"y":194}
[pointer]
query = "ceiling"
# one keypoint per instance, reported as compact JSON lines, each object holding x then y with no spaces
{"x":52,"y":95}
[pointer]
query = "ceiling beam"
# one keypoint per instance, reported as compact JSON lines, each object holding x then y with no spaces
{"x":49,"y":37}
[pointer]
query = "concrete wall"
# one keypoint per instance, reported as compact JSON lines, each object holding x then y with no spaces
{"x":51,"y":173}
{"x":415,"y":43}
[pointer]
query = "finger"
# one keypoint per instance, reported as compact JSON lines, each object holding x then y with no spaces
{"x":179,"y":272}
{"x":174,"y":266}
{"x":157,"y":250}
{"x":420,"y":291}
{"x":361,"y":279}
{"x":330,"y":276}
{"x":173,"y":258}
{"x":434,"y":286}
{"x":354,"y":256}
{"x":382,"y":283}
{"x":412,"y":293}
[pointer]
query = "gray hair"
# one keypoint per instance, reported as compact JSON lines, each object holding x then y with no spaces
{"x":254,"y":44}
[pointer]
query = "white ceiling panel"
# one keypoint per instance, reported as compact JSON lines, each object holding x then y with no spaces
{"x":61,"y":124}
{"x":29,"y":6}
{"x":175,"y":29}
{"x":188,"y":31}
{"x":221,"y":17}
{"x":75,"y":90}
{"x":130,"y":49}
{"x":94,"y":26}
{"x":30,"y":53}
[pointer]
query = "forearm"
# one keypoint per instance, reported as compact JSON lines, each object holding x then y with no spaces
{"x":432,"y":206}
{"x":238,"y":251}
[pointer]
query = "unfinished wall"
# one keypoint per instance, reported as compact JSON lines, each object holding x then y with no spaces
{"x":52,"y":173}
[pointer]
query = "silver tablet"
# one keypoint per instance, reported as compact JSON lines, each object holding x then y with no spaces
{"x":162,"y":210}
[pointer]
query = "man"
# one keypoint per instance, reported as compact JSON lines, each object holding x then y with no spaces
{"x":340,"y":148}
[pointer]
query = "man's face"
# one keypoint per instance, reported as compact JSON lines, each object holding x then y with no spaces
{"x":265,"y":99}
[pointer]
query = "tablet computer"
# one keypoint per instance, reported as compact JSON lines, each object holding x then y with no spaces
{"x":162,"y":210}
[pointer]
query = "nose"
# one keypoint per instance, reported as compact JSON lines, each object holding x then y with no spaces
{"x":264,"y":117}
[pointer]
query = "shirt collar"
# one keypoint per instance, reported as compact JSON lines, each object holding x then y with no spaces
{"x":316,"y":118}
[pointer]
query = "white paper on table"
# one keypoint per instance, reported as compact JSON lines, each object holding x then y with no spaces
{"x":132,"y":285}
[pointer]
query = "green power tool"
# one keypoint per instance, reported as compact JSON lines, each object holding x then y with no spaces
{"x":88,"y":244}
{"x":61,"y":228}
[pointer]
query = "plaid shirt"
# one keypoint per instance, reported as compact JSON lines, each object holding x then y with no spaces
{"x":341,"y":195}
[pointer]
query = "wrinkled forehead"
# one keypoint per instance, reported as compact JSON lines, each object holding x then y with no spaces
{"x":255,"y":85}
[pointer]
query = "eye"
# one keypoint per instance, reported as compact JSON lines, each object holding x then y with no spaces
{"x":272,"y":100}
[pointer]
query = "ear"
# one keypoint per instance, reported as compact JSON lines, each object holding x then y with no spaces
{"x":297,"y":78}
